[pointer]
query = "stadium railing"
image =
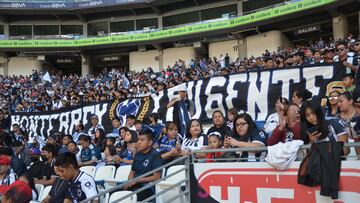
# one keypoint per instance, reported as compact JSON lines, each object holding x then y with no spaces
{"x":186,"y":161}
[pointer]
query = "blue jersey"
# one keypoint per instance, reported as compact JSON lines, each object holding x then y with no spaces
{"x":91,"y":153}
{"x":165,"y":145}
{"x":82,"y":187}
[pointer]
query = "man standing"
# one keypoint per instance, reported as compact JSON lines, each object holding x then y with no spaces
{"x":347,"y":60}
{"x":181,"y":112}
{"x":146,"y":160}
{"x":80,"y":185}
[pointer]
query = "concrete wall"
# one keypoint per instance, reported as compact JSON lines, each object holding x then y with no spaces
{"x":23,"y":65}
{"x":3,"y":65}
{"x":257,"y":44}
{"x":217,"y":48}
{"x":142,"y":60}
{"x":174,"y":54}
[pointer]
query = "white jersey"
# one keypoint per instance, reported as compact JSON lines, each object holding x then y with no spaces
{"x":82,"y":188}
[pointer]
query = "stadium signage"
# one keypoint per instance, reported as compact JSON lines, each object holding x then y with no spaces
{"x":160,"y":34}
{"x":259,"y":182}
{"x":308,"y":29}
{"x":16,"y":4}
{"x":255,"y":92}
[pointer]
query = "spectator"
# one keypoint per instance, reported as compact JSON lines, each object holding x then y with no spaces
{"x":169,"y":144}
{"x":219,"y":125}
{"x":300,"y":96}
{"x":245,"y":134}
{"x":47,"y":175}
{"x":138,"y":126}
{"x":329,"y":55}
{"x":7,"y":175}
{"x":195,"y":138}
{"x":332,"y":107}
{"x":94,"y":120}
{"x":79,"y":130}
{"x":4,"y":122}
{"x":21,"y":152}
{"x":19,"y":134}
{"x":181,"y":112}
{"x":110,"y":141}
{"x":348,"y":82}
{"x":126,"y":155}
{"x":214,"y":143}
{"x":130,"y":122}
{"x":16,"y":164}
{"x":100,"y":139}
{"x":119,"y":142}
{"x":146,"y":159}
{"x":80,"y":185}
{"x":314,"y":127}
{"x":273,"y":120}
{"x":110,"y":152}
{"x":18,"y":192}
{"x":54,"y":140}
{"x":288,"y":128}
{"x":346,"y":58}
{"x":74,"y":149}
{"x":349,"y":116}
{"x":59,"y":191}
{"x":157,"y":127}
{"x":65,"y":141}
{"x":269,"y":63}
{"x":298,"y":58}
{"x":116,"y":124}
{"x":89,"y":154}
{"x":231,"y":115}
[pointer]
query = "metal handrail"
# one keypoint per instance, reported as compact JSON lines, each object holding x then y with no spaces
{"x":186,"y":180}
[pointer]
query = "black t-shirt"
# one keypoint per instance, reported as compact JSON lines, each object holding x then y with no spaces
{"x":5,"y":124}
{"x":223,"y":130}
{"x":59,"y":191}
{"x":47,"y":170}
{"x":145,"y":162}
{"x":35,"y":170}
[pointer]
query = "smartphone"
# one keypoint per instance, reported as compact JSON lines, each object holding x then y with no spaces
{"x":311,"y":130}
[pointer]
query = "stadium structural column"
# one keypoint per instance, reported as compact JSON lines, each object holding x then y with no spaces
{"x":340,"y":27}
{"x":239,"y":8}
{"x":86,"y":64}
{"x":160,"y":22}
{"x":359,"y":20}
{"x":6,"y":31}
{"x":85,"y":29}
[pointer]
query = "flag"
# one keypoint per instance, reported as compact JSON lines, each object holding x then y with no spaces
{"x":126,"y":82}
{"x":46,"y":77}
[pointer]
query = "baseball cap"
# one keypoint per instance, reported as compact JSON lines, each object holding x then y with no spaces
{"x":4,"y":160}
{"x":182,"y":88}
{"x":20,"y":188}
{"x":34,"y":151}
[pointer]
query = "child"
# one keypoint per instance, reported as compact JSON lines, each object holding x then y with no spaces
{"x":348,"y":82}
{"x":169,"y":144}
{"x":214,"y":143}
{"x":231,"y":114}
{"x":126,"y":156}
{"x":110,"y":141}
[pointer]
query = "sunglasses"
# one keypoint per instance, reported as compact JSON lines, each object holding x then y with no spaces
{"x":333,"y":97}
{"x":357,"y":44}
{"x":340,"y":49}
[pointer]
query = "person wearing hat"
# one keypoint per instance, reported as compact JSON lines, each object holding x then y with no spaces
{"x":328,"y":54}
{"x":7,"y":175}
{"x":94,"y":120}
{"x":17,"y":192}
{"x":181,"y":111}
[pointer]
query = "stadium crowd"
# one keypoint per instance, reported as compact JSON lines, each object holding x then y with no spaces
{"x":56,"y":160}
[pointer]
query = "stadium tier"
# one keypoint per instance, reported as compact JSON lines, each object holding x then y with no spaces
{"x":180,"y":101}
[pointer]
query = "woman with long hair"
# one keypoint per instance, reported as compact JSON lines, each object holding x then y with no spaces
{"x":332,"y":108}
{"x":314,"y":127}
{"x":195,"y":138}
{"x":219,"y":125}
{"x":245,"y":134}
{"x":300,"y":96}
{"x":100,"y":139}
